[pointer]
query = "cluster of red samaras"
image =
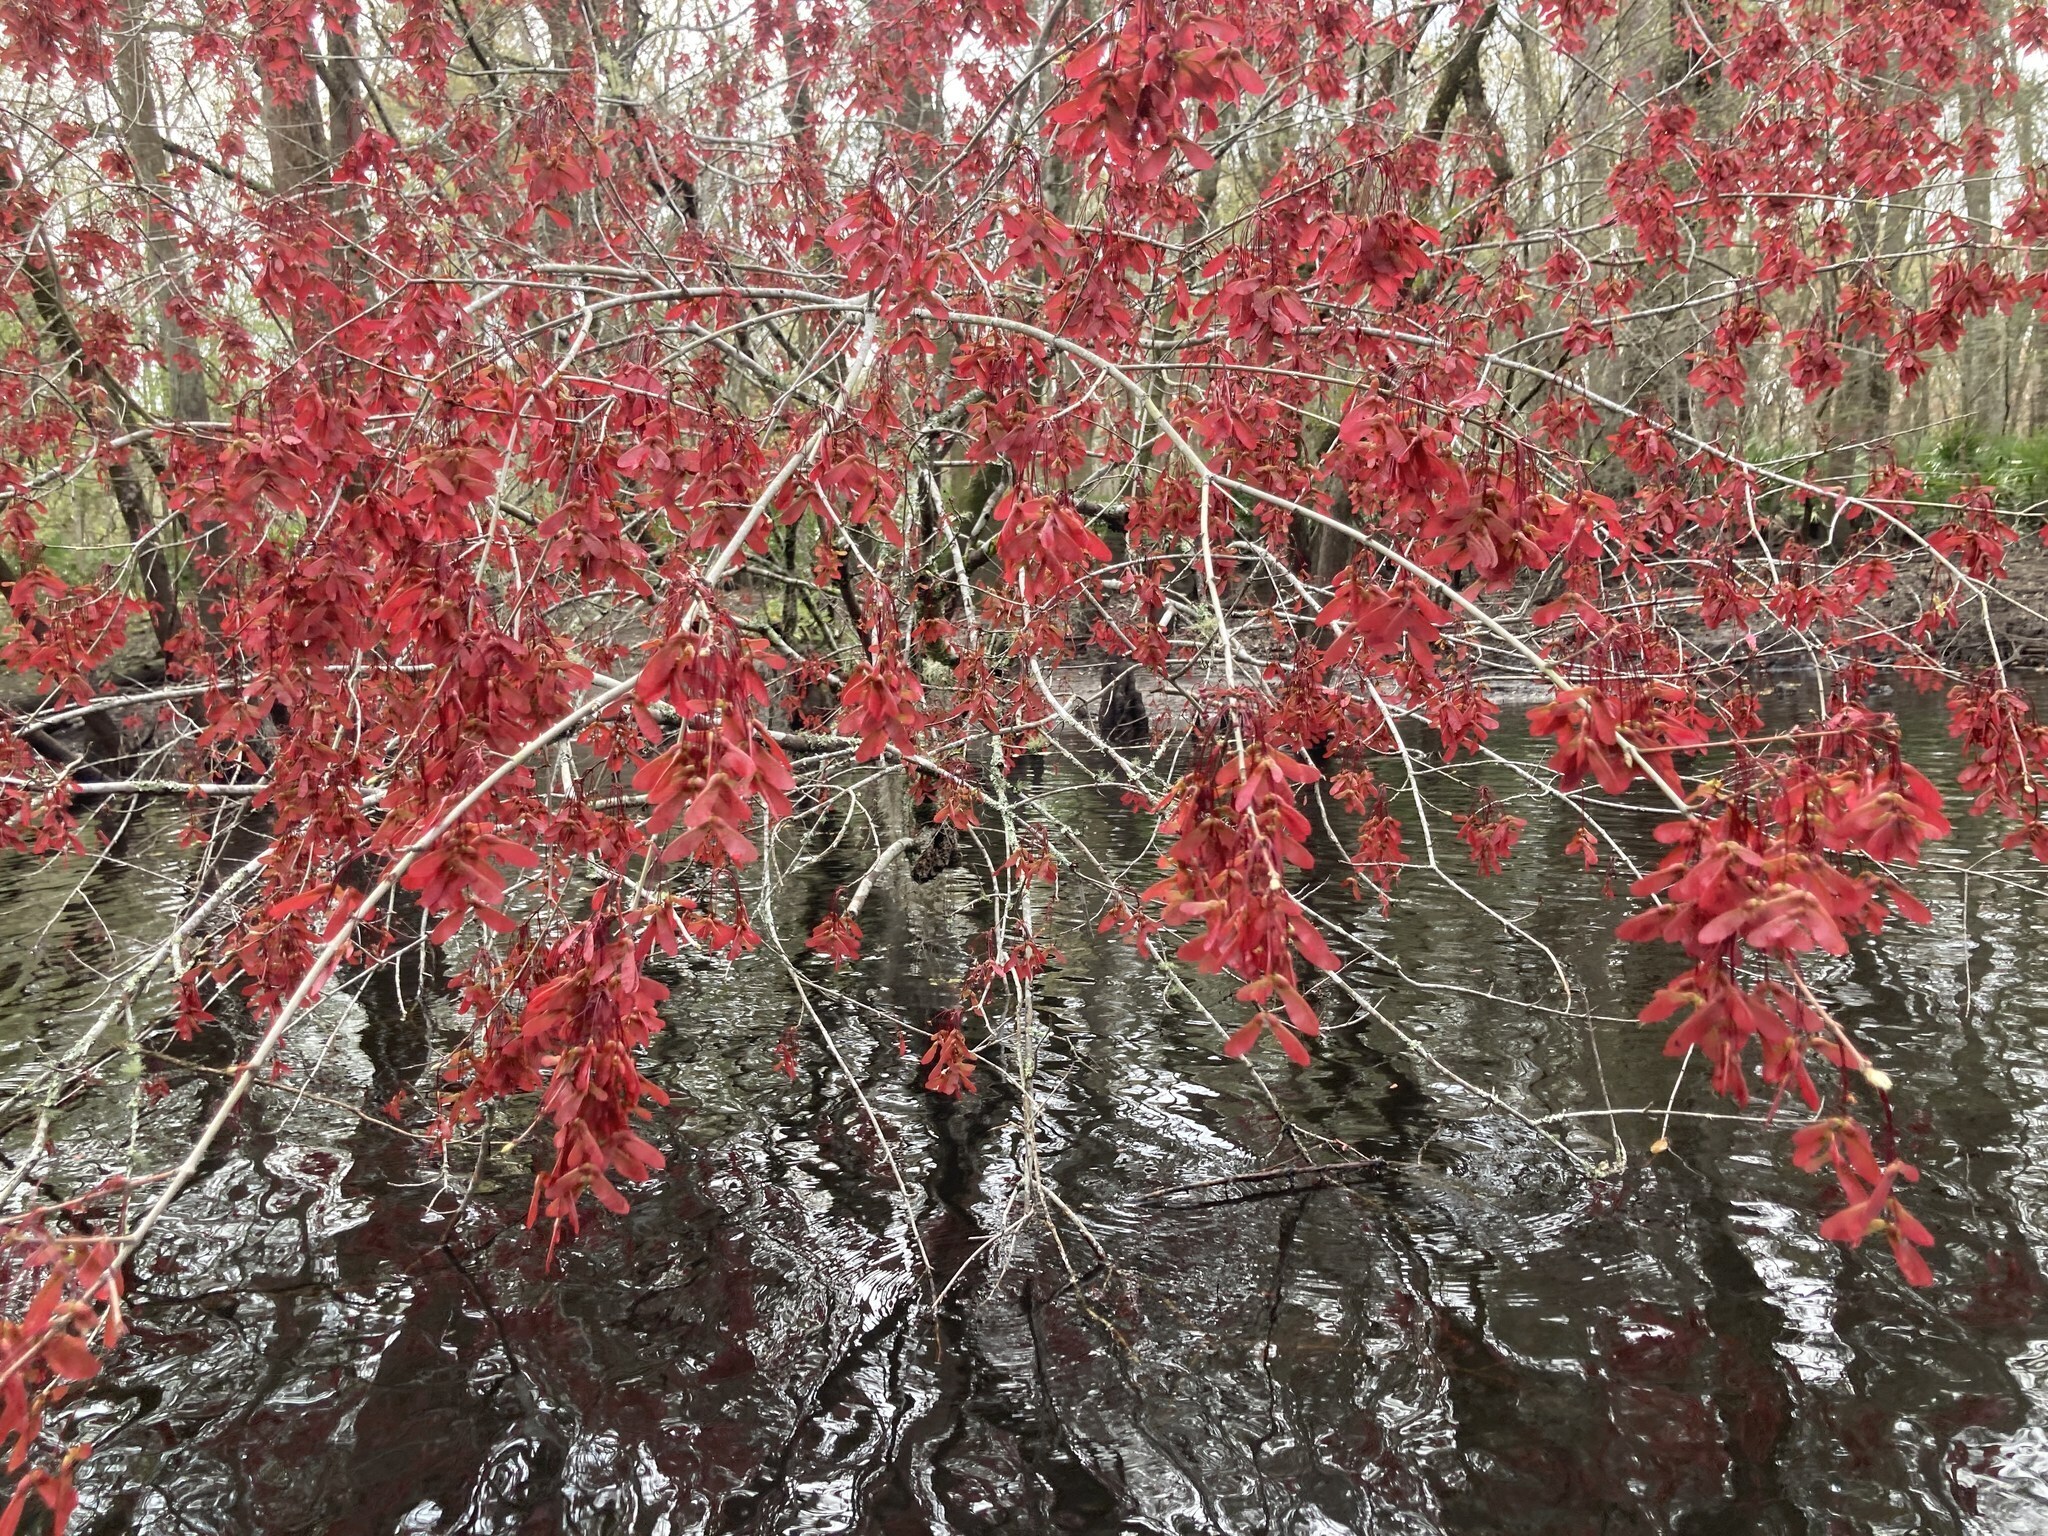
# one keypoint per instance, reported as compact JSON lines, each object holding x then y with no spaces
{"x":1795,"y":866}
{"x":1237,"y":833}
{"x":1131,"y":87}
{"x":1752,"y":883}
{"x":49,"y":1347}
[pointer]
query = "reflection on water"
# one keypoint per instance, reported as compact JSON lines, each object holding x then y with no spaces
{"x":1457,"y":1332}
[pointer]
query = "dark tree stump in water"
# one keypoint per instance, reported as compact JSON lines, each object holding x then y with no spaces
{"x":938,"y":852}
{"x":1122,"y":720}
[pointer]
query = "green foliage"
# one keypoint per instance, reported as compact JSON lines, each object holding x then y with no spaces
{"x":2016,"y":466}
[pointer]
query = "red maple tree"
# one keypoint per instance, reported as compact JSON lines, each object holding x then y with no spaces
{"x":544,"y":448}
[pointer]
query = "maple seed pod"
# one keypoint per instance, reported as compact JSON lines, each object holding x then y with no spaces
{"x":1878,"y":1078}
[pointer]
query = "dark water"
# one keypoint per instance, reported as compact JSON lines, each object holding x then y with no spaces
{"x":1461,"y":1332}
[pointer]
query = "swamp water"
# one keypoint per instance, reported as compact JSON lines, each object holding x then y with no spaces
{"x":1460,"y":1332}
